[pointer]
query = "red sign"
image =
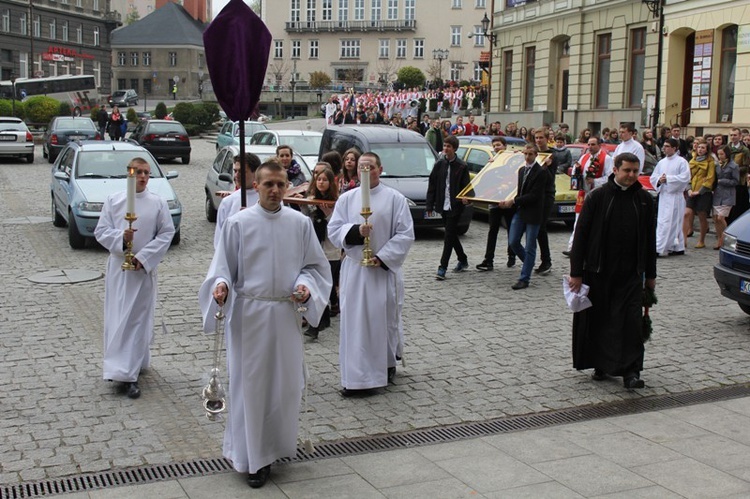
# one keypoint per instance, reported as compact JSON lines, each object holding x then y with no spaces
{"x":66,"y":52}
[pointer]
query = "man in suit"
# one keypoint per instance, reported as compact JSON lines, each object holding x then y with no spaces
{"x":529,"y":205}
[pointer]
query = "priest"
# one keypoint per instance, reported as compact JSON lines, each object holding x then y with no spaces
{"x":130,"y":295}
{"x":371,"y":297}
{"x":267,"y":267}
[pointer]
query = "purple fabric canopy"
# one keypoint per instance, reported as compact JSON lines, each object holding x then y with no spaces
{"x":237,"y":45}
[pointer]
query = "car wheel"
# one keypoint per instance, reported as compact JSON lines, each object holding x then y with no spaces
{"x":75,"y":239}
{"x":176,"y":238}
{"x":58,"y":220}
{"x":186,"y":159}
{"x":50,"y":158}
{"x":745,"y":308}
{"x":210,"y":210}
{"x":44,"y":152}
{"x":30,"y":158}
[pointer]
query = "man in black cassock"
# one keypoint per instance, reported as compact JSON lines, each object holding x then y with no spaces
{"x":614,"y":248}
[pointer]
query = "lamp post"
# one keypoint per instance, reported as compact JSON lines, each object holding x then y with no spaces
{"x":656,"y":7}
{"x":13,"y":89}
{"x":293,"y":83}
{"x":440,"y":55}
{"x":486,"y":31}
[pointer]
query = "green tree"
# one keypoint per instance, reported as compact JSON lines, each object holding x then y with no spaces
{"x":410,"y":77}
{"x":65,"y":109}
{"x":6,"y":108}
{"x":184,"y":113}
{"x":132,"y":16}
{"x":319,"y":79}
{"x":41,"y":109}
{"x":161,"y":111}
{"x":131,"y":116}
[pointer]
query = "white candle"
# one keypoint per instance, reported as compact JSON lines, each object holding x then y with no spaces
{"x":131,"y":194}
{"x":364,"y":186}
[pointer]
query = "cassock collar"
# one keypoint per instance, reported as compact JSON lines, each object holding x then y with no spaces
{"x":267,"y":213}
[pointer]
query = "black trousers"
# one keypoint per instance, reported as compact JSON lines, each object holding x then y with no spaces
{"x":450,"y":219}
{"x":542,"y":238}
{"x":496,"y":217}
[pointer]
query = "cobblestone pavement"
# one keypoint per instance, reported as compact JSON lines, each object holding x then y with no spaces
{"x":475,"y":348}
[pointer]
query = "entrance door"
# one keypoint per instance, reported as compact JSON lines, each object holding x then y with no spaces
{"x":563,"y":73}
{"x":683,"y":117}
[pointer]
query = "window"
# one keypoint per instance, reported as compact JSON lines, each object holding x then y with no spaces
{"x":296,"y":49}
{"x":294,"y":11}
{"x":134,"y":58}
{"x":327,"y":8}
{"x":278,"y":49}
{"x":728,"y":73}
{"x":604,"y":56}
{"x":147,"y":58}
{"x":477,"y":71}
{"x":121,"y":57}
{"x":359,"y":10}
{"x":96,"y":6}
{"x":6,"y":21}
{"x":79,"y":3}
{"x":146,"y":86}
{"x":401,"y":48}
{"x":24,"y":27}
{"x":65,"y":31}
{"x":134,"y":84}
{"x":97,"y":73}
{"x":37,"y":26}
{"x":23,"y":64}
{"x":637,"y":65}
{"x":455,"y":71}
{"x":455,"y":4}
{"x":79,"y":34}
{"x":419,"y":48}
{"x":507,"y":78}
{"x":478,"y":36}
{"x":52,"y":29}
{"x":96,"y":37}
{"x":121,"y":83}
{"x":349,"y":49}
{"x":173,"y":59}
{"x":314,"y":49}
{"x":201,"y":58}
{"x":530,"y":65}
{"x":384,"y":50}
{"x":311,"y":11}
{"x":343,"y":10}
{"x":455,"y":36}
{"x":409,"y":9}
{"x":480,"y":4}
{"x":392,"y":9}
{"x":376,"y":10}
{"x":52,"y":68}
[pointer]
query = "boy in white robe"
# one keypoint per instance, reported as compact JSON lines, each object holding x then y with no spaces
{"x":671,"y":178}
{"x":265,"y":254}
{"x":371,"y":298}
{"x":232,"y":203}
{"x":130,"y":295}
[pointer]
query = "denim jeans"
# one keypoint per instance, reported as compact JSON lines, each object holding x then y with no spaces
{"x":527,"y":255}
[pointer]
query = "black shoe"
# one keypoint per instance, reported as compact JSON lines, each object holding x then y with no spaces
{"x":133,"y":391}
{"x":544,"y":268}
{"x":676,"y":253}
{"x":391,"y":374}
{"x":259,"y":479}
{"x":566,"y":253}
{"x":485,"y":265}
{"x":631,"y":382}
{"x":599,"y":375}
{"x":324,"y":323}
{"x":347,"y":393}
{"x":312,"y":332}
{"x":511,"y":261}
{"x":520,"y":285}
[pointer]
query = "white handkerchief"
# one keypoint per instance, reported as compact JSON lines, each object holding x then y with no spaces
{"x":576,"y":301}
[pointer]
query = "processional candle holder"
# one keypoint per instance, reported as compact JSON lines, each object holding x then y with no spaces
{"x":366,"y":212}
{"x":130,"y":217}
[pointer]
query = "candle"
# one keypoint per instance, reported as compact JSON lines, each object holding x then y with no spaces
{"x":364,"y":186}
{"x":131,"y":193}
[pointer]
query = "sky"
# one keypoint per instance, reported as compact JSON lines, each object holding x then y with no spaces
{"x":219,"y":4}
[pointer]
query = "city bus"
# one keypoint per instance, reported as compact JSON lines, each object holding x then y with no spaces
{"x":78,"y":90}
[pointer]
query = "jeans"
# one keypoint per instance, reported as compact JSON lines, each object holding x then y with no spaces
{"x":451,"y":218}
{"x":527,"y":255}
{"x":496,"y":216}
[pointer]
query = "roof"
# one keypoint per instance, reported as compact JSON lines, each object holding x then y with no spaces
{"x":377,"y":134}
{"x":183,"y":29}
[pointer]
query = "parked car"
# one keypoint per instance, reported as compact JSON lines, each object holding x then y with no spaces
{"x":87,"y":172}
{"x":407,"y":160}
{"x":64,"y":129}
{"x":229,"y":133}
{"x":732,"y":273}
{"x":476,"y":155}
{"x":16,"y":139}
{"x":220,"y":176}
{"x":166,"y":139}
{"x":513,"y":143}
{"x":304,"y":142}
{"x":123,"y":98}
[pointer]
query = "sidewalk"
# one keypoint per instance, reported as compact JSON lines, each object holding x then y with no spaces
{"x":694,"y":451}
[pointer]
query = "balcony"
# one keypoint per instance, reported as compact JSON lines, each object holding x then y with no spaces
{"x":349,"y":26}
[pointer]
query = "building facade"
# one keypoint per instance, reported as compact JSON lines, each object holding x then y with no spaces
{"x":52,"y":38}
{"x":365,"y":43}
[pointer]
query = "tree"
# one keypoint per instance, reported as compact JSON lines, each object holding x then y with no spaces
{"x":132,"y":16}
{"x":433,"y":71}
{"x":256,"y":7}
{"x":411,"y":77}
{"x":278,"y":69}
{"x":319,"y":79}
{"x":387,"y":68}
{"x":161,"y":111}
{"x":41,"y":109}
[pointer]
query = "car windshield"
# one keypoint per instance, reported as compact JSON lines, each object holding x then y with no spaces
{"x":111,"y":164}
{"x":405,"y":160}
{"x":119,"y":93}
{"x":250,"y":129}
{"x":306,"y":145}
{"x":13,"y":127}
{"x":75,"y":124}
{"x":166,"y":128}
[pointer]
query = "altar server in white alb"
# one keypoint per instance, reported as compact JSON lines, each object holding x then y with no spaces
{"x":233,"y":203}
{"x":265,"y":253}
{"x":130,"y":295}
{"x":629,"y":144}
{"x":671,"y":178}
{"x":371,"y":298}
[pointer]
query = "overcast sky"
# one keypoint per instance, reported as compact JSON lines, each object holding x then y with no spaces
{"x":219,"y":4}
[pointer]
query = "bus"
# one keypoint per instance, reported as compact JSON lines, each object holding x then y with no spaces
{"x":78,"y":90}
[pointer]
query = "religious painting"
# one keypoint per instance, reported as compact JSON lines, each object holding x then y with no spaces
{"x":498,"y":180}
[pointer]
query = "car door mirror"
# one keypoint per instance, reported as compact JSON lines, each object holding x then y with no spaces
{"x":62,"y":176}
{"x":225,"y":177}
{"x":172,"y":174}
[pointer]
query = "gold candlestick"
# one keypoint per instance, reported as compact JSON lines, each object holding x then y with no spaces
{"x":366,"y":251}
{"x":128,"y":263}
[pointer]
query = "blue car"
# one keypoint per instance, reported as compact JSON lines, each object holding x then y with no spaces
{"x":732,"y":273}
{"x":86,"y":173}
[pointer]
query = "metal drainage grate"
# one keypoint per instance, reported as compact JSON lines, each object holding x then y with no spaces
{"x":204,"y":467}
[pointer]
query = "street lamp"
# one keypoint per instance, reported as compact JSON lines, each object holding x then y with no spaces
{"x":13,"y":89}
{"x":293,"y":82}
{"x":440,"y":55}
{"x":493,"y":39}
{"x":656,"y":7}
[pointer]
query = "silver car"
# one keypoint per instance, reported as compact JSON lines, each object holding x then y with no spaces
{"x":16,"y":139}
{"x":306,"y":143}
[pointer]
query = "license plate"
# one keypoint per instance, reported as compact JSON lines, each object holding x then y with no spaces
{"x":8,"y":138}
{"x":567,"y":208}
{"x":77,"y":137}
{"x":170,"y":139}
{"x":435,"y":215}
{"x":745,"y":286}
